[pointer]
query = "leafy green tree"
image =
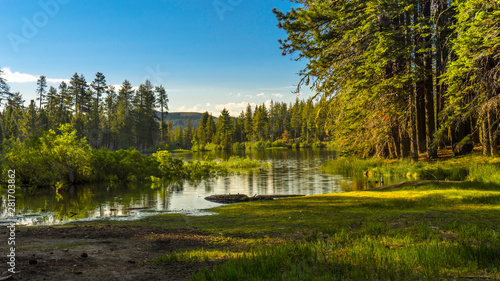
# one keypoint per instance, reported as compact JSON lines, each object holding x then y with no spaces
{"x":51,"y":158}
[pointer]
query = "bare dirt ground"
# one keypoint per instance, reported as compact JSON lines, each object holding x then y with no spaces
{"x":103,"y":253}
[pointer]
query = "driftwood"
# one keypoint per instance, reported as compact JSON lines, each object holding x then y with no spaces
{"x":410,"y":183}
{"x":237,"y":198}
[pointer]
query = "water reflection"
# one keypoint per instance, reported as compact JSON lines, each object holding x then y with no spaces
{"x":292,"y":172}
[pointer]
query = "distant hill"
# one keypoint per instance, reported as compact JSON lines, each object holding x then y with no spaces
{"x":181,"y":118}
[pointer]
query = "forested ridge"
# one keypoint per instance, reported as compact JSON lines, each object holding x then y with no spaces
{"x":124,"y":118}
{"x":401,"y":77}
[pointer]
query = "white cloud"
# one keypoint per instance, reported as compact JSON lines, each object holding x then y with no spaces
{"x":17,"y":77}
{"x":196,"y":108}
{"x":267,"y":103}
{"x":233,"y":108}
{"x":279,"y":95}
{"x":261,"y":95}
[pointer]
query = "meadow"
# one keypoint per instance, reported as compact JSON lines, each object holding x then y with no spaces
{"x":438,"y":231}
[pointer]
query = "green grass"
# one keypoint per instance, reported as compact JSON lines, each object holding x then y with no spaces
{"x":469,"y":168}
{"x":441,"y":231}
{"x":235,"y":163}
{"x":199,"y":255}
{"x":437,"y":232}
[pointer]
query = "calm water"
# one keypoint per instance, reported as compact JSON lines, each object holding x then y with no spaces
{"x":292,"y":172}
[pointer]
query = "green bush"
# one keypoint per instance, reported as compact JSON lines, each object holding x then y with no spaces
{"x":43,"y":161}
{"x":63,"y":158}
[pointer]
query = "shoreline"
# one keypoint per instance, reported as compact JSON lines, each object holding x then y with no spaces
{"x":177,"y":246}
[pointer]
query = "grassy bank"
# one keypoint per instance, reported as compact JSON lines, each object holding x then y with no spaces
{"x":442,"y":231}
{"x":474,"y":168}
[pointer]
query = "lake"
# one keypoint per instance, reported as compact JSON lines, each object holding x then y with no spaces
{"x":292,"y":172}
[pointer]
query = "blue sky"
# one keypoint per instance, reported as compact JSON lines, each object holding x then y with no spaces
{"x":208,"y":54}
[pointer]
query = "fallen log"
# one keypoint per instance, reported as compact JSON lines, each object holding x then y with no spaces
{"x":237,"y":198}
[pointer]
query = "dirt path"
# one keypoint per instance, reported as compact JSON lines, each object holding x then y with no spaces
{"x":103,"y":253}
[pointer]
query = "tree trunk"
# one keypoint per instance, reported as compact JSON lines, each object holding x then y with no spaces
{"x":485,"y":137}
{"x":405,"y":143}
{"x":441,"y":56}
{"x":420,"y":90}
{"x":492,"y":133}
{"x":410,"y":88}
{"x":429,"y":87}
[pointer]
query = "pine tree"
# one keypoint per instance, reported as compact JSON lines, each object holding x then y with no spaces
{"x":4,"y":88}
{"x":124,"y":119}
{"x":66,"y":103}
{"x":111,"y":124}
{"x":472,"y":79}
{"x":225,"y":129}
{"x":163,"y":103}
{"x":100,"y":87}
{"x":261,"y":123}
{"x":29,"y":124}
{"x":52,"y":103}
{"x":145,"y":118}
{"x":202,"y":130}
{"x":41,"y":90}
{"x":248,"y":124}
{"x":13,"y":116}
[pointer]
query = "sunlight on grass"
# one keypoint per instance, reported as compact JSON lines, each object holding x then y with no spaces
{"x":200,"y":255}
{"x":440,"y":231}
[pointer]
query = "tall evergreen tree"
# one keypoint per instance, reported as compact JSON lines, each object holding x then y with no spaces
{"x":41,"y":90}
{"x":30,"y":125}
{"x":100,"y":87}
{"x":225,"y":129}
{"x":145,"y":118}
{"x":162,"y":102}
{"x":4,"y":88}
{"x":472,"y":79}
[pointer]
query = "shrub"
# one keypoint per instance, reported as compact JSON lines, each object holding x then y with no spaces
{"x":43,"y":161}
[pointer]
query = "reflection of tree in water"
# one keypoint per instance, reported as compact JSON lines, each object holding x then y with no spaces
{"x":176,"y":186}
{"x":227,"y":185}
{"x":209,"y":185}
{"x":250,"y":183}
{"x":263,"y":182}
